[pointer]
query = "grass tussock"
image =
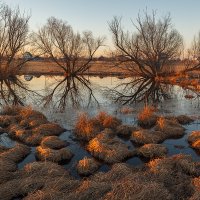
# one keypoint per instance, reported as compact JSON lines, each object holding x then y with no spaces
{"x":126,"y":110}
{"x":53,"y":142}
{"x":125,"y":130}
{"x":6,"y":120}
{"x":144,"y":136}
{"x":184,"y":119}
{"x":170,"y":128}
{"x":85,"y":128}
{"x":147,"y":117}
{"x":108,"y":149}
{"x":152,"y":151}
{"x":87,"y":166}
{"x":194,"y":140}
{"x":47,"y":154}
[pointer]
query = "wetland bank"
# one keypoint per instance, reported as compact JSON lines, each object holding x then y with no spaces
{"x":75,"y":125}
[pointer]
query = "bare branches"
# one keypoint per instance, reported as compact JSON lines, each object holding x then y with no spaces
{"x":153,"y":44}
{"x":73,"y":52}
{"x":13,"y":37}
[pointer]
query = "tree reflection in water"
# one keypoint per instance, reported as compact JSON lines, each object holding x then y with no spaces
{"x":138,"y":89}
{"x":15,"y":91}
{"x":70,"y":91}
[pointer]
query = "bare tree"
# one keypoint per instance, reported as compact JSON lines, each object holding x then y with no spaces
{"x":150,"y":47}
{"x":71,"y":51}
{"x":13,"y":38}
{"x":194,"y":55}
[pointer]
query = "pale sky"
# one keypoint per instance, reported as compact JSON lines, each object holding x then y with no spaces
{"x":94,"y":14}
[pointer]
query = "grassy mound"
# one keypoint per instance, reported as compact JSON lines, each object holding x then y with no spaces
{"x":47,"y":154}
{"x":152,"y":151}
{"x":108,"y":149}
{"x":87,"y":166}
{"x":53,"y":142}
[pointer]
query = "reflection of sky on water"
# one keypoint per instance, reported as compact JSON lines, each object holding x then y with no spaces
{"x":177,"y":104}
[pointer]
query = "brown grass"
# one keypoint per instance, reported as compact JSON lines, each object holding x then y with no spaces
{"x":108,"y":149}
{"x":47,"y":154}
{"x":152,"y":151}
{"x":87,"y":166}
{"x":107,"y":121}
{"x":125,"y":130}
{"x":184,"y":119}
{"x":194,"y":136}
{"x":53,"y":142}
{"x":144,"y":136}
{"x":147,"y":117}
{"x":85,"y":128}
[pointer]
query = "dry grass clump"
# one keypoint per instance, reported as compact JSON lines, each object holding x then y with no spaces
{"x":194,"y":140}
{"x":180,"y":163}
{"x":132,"y":188}
{"x":33,"y":177}
{"x":125,"y":130}
{"x":147,"y":117}
{"x":107,"y":121}
{"x":87,"y":166}
{"x":85,"y":128}
{"x":47,"y":154}
{"x":34,"y":136}
{"x":3,"y":148}
{"x":108,"y":149}
{"x":126,"y":110}
{"x":144,"y":136}
{"x":152,"y":150}
{"x":194,"y":136}
{"x":32,"y":123}
{"x":11,"y":110}
{"x":16,"y":153}
{"x":118,"y":171}
{"x":170,"y":128}
{"x":6,"y":120}
{"x":53,"y":142}
{"x":29,"y":113}
{"x":184,"y":119}
{"x":49,"y":129}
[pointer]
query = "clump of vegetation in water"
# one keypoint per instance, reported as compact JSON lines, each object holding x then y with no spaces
{"x":87,"y":166}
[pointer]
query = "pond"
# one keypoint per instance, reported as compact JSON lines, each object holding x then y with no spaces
{"x":62,"y":99}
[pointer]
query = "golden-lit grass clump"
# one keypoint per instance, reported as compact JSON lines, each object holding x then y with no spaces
{"x":170,"y":128}
{"x":194,"y":140}
{"x":47,"y":154}
{"x":87,"y":128}
{"x":147,"y":117}
{"x":152,"y":151}
{"x":109,"y":149}
{"x":143,"y":136}
{"x":53,"y":142}
{"x":87,"y":166}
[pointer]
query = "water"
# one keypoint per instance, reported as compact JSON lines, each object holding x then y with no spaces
{"x":63,"y":99}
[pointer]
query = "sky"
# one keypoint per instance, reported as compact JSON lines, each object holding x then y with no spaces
{"x":94,"y":15}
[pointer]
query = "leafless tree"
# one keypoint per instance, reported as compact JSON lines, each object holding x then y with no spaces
{"x":71,"y":51}
{"x":194,"y":55}
{"x":13,"y":38}
{"x":147,"y":50}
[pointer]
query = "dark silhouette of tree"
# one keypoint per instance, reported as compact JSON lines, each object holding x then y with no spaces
{"x":147,"y":50}
{"x":71,"y":51}
{"x":13,"y":38}
{"x":194,"y":55}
